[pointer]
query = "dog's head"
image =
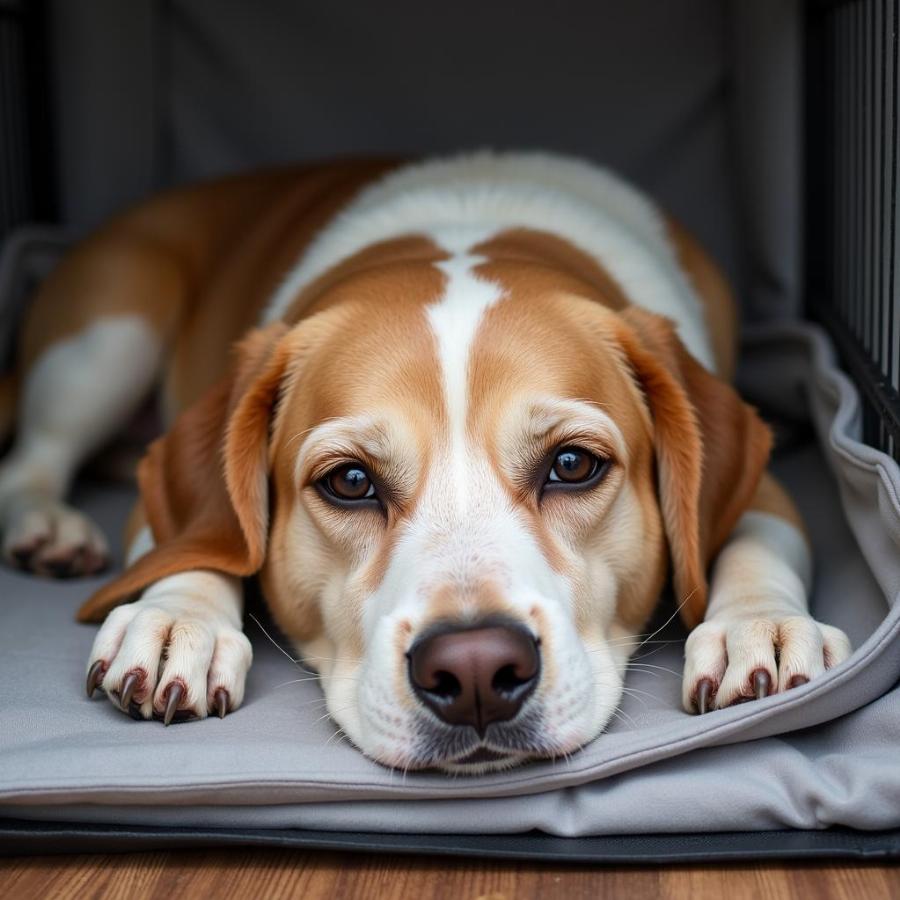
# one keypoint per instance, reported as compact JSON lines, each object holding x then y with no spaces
{"x":463,"y":483}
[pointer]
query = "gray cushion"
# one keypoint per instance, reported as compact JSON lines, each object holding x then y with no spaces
{"x":278,"y":762}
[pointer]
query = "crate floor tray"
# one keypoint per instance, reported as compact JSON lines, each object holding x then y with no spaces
{"x":19,"y":838}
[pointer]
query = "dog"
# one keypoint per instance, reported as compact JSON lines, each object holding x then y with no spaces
{"x":462,"y":418}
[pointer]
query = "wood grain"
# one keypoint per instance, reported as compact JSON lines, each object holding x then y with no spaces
{"x":275,"y":874}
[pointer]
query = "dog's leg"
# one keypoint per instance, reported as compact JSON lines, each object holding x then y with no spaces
{"x":90,"y":350}
{"x":178,"y":651}
{"x":758,"y":637}
{"x":77,"y":393}
{"x":75,"y":396}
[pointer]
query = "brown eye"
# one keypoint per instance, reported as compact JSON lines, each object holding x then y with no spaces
{"x":350,"y":483}
{"x":573,"y":466}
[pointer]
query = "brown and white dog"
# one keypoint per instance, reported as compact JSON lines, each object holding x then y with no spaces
{"x":478,"y":413}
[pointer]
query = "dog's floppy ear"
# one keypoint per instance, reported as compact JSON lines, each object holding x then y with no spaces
{"x":711,"y":449}
{"x":204,"y":484}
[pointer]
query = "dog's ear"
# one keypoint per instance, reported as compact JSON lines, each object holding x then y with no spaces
{"x":711,"y":449}
{"x":204,"y":484}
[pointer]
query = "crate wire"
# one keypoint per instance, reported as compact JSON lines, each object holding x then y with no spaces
{"x":852,"y":234}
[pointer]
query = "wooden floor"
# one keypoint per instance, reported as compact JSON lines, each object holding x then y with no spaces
{"x":289,"y":873}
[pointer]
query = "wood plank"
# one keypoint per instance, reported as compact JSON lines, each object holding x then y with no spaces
{"x":241,"y":873}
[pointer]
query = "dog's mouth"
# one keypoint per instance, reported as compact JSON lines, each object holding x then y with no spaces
{"x":481,"y":761}
{"x":482,"y":755}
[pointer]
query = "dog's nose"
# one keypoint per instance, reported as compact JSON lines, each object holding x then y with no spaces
{"x":475,"y":676}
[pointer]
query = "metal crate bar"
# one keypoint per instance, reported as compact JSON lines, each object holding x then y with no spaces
{"x":852,"y":234}
{"x":26,"y":168}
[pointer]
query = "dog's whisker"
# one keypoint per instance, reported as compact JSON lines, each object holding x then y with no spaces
{"x":294,"y":681}
{"x":339,"y":734}
{"x":624,"y":643}
{"x":315,"y":678}
{"x":637,"y":697}
{"x":668,"y":621}
{"x":647,"y":654}
{"x":636,"y":691}
{"x":319,"y":701}
{"x":332,"y":712}
{"x":350,"y":659}
{"x":620,"y":713}
{"x":648,"y":636}
{"x":273,"y":641}
{"x":299,"y":680}
{"x":651,"y":674}
{"x":643,"y":666}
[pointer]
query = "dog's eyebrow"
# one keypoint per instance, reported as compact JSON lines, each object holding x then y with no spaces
{"x":372,"y":437}
{"x":553,"y":415}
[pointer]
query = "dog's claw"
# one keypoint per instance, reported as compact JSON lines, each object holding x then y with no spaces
{"x":221,"y":702}
{"x":761,"y":684}
{"x":59,"y":568}
{"x":797,"y":681}
{"x":132,"y":679}
{"x":22,"y":557}
{"x":704,"y":692}
{"x":94,"y":677}
{"x":172,"y":700}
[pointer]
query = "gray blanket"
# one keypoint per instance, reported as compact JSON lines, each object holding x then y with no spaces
{"x":822,"y":754}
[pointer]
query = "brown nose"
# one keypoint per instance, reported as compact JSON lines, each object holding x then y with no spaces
{"x":475,"y":676}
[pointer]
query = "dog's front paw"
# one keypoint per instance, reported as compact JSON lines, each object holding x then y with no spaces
{"x":728,"y":662}
{"x":171,"y":657}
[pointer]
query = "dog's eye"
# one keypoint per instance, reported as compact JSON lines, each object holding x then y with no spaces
{"x":576,"y":467}
{"x":350,"y":482}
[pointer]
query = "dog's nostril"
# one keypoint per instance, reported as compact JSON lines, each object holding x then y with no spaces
{"x":506,"y":680}
{"x":446,"y":685}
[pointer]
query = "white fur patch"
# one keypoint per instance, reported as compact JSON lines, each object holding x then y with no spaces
{"x":454,"y":321}
{"x":75,"y":396}
{"x":765,"y":557}
{"x":469,"y":198}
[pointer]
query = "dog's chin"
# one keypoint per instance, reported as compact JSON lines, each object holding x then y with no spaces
{"x":483,"y":759}
{"x":455,"y":751}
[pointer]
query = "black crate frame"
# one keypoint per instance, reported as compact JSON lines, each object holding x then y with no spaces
{"x":852,"y":233}
{"x":27,"y":171}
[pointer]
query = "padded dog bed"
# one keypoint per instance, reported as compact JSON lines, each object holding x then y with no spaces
{"x":699,"y":102}
{"x":819,"y":756}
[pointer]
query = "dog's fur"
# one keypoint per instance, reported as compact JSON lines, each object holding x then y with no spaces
{"x":447,"y":325}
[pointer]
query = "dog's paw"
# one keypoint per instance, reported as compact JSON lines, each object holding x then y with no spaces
{"x":748,"y":659}
{"x":48,"y":538}
{"x":171,"y":657}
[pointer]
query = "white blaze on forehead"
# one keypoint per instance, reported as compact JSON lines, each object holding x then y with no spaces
{"x":455,"y":320}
